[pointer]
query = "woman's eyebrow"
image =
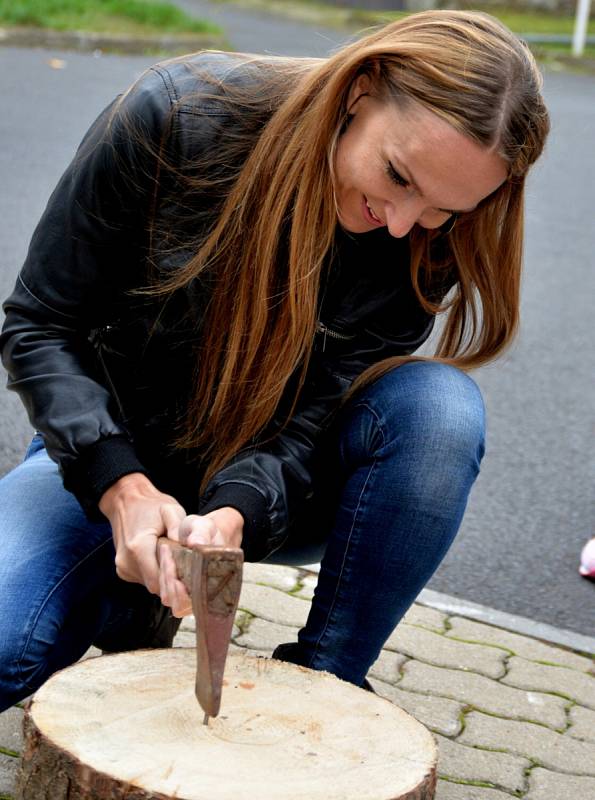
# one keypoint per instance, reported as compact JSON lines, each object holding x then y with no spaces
{"x":416,"y":186}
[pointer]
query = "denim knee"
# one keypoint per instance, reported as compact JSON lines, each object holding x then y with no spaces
{"x":20,"y":664}
{"x":13,"y":688}
{"x":53,"y":557}
{"x":429,"y":415}
{"x":38,"y":641}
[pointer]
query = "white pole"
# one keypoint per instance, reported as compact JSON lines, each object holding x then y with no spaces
{"x":580,"y":27}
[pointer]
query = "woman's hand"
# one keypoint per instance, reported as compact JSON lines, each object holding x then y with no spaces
{"x":220,"y":527}
{"x":139,"y":514}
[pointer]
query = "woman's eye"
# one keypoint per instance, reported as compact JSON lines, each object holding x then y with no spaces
{"x":395,"y":177}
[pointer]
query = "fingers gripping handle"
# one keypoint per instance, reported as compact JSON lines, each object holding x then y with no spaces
{"x":213,"y":579}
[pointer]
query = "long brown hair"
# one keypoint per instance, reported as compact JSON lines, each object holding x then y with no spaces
{"x":267,"y":247}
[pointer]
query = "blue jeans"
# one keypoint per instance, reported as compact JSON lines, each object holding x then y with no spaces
{"x":405,"y":453}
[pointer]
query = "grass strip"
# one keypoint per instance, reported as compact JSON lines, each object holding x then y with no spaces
{"x":518,"y":21}
{"x":105,"y":16}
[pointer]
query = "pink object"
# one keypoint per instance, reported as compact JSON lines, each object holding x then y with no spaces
{"x":587,"y":566}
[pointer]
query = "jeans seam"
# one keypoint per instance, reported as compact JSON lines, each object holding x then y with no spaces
{"x":350,"y":537}
{"x":19,"y":663}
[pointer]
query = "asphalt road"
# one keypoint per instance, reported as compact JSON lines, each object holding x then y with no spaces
{"x":533,"y":505}
{"x":262,"y":32}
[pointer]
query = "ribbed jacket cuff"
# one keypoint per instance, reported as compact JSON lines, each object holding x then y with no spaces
{"x":97,"y":468}
{"x":252,"y":506}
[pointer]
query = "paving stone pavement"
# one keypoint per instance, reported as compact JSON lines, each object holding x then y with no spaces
{"x":512,"y":716}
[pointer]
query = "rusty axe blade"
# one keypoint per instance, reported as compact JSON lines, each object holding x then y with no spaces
{"x":213,"y":579}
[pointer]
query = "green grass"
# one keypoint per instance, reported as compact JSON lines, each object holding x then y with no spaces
{"x":562,"y":48}
{"x":520,"y":22}
{"x":534,"y":22}
{"x":109,"y":16}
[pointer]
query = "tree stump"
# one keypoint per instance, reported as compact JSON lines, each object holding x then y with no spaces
{"x":128,"y":726}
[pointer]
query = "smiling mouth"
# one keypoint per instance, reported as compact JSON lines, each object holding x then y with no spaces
{"x":371,"y":213}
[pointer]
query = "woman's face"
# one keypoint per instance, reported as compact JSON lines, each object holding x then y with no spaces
{"x":398,"y":166}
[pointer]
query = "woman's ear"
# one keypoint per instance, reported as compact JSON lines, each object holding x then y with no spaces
{"x":359,"y":88}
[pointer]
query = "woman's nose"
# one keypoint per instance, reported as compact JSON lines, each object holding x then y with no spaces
{"x":401,"y":217}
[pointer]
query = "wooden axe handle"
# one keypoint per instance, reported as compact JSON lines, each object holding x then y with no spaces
{"x":213,"y":579}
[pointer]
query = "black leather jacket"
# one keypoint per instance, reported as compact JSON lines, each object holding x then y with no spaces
{"x":103,"y":374}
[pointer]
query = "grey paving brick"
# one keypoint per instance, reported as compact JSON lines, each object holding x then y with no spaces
{"x":551,"y":750}
{"x":11,"y":729}
{"x":276,"y":606}
{"x":189,"y":624}
{"x":543,"y":678}
{"x":470,"y":764}
{"x":284,"y":578}
{"x":546,"y":785}
{"x":185,"y":639}
{"x":523,"y":646}
{"x":437,"y":713}
{"x":8,"y":771}
{"x":265,"y":635}
{"x":582,"y":724}
{"x":425,"y":617}
{"x":388,"y":666}
{"x":446,"y":790}
{"x":434,"y":648}
{"x":484,"y":693}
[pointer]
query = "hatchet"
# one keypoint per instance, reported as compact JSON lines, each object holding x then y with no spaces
{"x":213,"y":579}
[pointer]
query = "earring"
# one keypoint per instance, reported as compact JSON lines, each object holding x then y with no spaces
{"x":453,"y":222}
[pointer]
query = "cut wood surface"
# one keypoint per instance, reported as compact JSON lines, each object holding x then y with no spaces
{"x":128,"y":726}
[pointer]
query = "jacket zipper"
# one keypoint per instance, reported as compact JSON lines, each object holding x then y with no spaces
{"x":98,"y":341}
{"x":321,"y":328}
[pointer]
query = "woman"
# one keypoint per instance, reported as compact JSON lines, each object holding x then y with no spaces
{"x":212,"y":335}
